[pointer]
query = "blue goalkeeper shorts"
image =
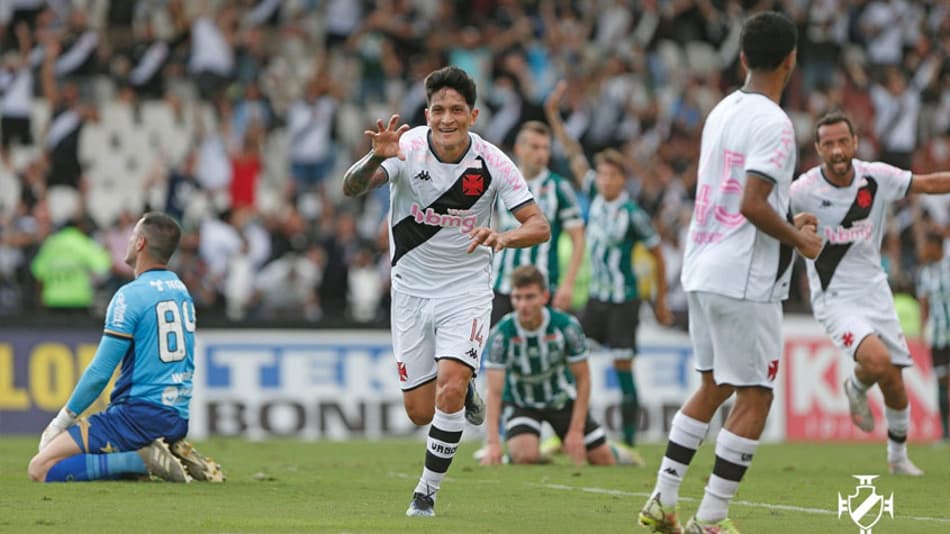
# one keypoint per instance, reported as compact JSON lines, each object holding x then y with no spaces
{"x":127,"y":427}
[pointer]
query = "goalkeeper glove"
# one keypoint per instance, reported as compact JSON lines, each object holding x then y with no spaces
{"x":63,"y":420}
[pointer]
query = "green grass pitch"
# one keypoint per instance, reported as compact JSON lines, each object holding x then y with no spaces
{"x":292,"y":486}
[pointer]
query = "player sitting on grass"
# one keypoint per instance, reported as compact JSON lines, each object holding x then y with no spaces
{"x":150,"y":328}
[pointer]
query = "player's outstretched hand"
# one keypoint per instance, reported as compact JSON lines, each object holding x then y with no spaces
{"x":487,"y":237}
{"x":385,"y":139}
{"x":810,"y":242}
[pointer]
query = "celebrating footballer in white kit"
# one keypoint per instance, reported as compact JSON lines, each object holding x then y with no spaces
{"x":443,"y":183}
{"x":736,"y":267}
{"x":849,"y":291}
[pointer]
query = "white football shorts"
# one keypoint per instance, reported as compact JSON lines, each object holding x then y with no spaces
{"x":426,"y":330}
{"x":849,"y":319}
{"x":740,"y":341}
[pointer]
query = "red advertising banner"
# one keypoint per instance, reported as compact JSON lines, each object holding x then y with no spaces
{"x":816,"y":408}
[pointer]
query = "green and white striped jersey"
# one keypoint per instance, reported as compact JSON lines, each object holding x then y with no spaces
{"x":536,"y":362}
{"x":613,"y":228}
{"x":558,"y":203}
{"x":935,"y":285}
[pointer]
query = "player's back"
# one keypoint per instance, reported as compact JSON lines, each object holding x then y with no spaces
{"x":158,"y":314}
{"x":746,"y":133}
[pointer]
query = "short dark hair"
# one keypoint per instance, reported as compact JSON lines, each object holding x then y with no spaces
{"x":528,"y":275}
{"x":453,"y":78}
{"x":833,"y":117}
{"x":162,"y":234}
{"x":767,"y":39}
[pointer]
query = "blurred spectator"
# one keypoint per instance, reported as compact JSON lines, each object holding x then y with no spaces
{"x":68,"y":265}
{"x":245,"y":170}
{"x":16,"y":86}
{"x":287,"y":287}
{"x":246,"y":108}
{"x":365,"y":287}
{"x":116,"y":241}
{"x":311,"y":125}
{"x":193,"y":271}
{"x":212,"y":51}
{"x":897,"y":110}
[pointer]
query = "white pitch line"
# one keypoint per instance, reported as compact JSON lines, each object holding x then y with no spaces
{"x":622,"y":493}
{"x":751,"y":504}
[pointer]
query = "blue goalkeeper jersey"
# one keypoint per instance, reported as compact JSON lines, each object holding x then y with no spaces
{"x":157,"y":314}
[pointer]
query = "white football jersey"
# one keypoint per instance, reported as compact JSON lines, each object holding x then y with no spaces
{"x":851,"y":221}
{"x":746,"y":133}
{"x":433,"y":206}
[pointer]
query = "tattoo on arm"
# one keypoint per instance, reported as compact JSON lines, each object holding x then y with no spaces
{"x":363,"y":175}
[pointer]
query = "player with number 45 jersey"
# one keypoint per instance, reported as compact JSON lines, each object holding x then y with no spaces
{"x":150,"y":330}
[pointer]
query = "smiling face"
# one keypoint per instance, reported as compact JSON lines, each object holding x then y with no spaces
{"x":449,"y":117}
{"x":836,"y":146}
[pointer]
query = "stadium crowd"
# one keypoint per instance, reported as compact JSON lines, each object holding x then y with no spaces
{"x":238,"y":118}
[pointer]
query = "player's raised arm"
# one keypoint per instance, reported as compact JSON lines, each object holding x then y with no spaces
{"x":575,"y":153}
{"x":366,"y":173}
{"x":756,"y":208}
{"x":930,"y":184}
{"x":661,"y":308}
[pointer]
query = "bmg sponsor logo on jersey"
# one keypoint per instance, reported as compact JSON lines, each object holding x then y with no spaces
{"x":464,"y":220}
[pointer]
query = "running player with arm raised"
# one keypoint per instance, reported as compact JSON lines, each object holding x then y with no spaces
{"x":736,"y":272}
{"x":443,"y":181}
{"x":850,"y":295}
